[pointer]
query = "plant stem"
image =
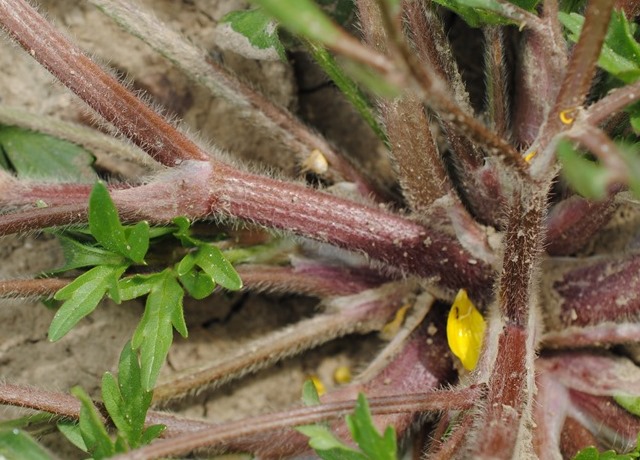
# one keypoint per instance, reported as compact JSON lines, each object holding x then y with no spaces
{"x":102,"y":92}
{"x":104,"y":147}
{"x":360,"y":313}
{"x":37,"y":287}
{"x":220,"y":435}
{"x":276,"y":120}
{"x":611,"y":104}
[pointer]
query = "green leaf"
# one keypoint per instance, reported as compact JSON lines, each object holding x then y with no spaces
{"x":82,"y":297}
{"x":125,"y":399}
{"x":366,"y":435}
{"x":92,"y":429}
{"x":326,"y":445}
{"x":71,"y":431}
{"x":630,"y":403}
{"x":481,"y":12}
{"x":15,"y":444}
{"x":214,"y":264}
{"x":258,"y":27}
{"x":198,"y":284}
{"x":620,"y":55}
{"x":310,"y":395}
{"x":137,"y":286}
{"x":138,"y":240}
{"x":348,"y":87}
{"x":151,"y":433}
{"x":78,"y":255}
{"x":303,"y":18}
{"x":183,"y":233}
{"x":38,"y":156}
{"x":154,"y":334}
{"x":104,"y":222}
{"x":588,"y":178}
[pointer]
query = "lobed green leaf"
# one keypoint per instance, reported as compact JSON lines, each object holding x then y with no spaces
{"x":154,"y":334}
{"x":629,"y":402}
{"x":326,"y":445}
{"x":104,"y":221}
{"x":366,"y":435}
{"x":71,"y":431}
{"x":81,"y":297}
{"x":78,"y":255}
{"x":310,"y":395}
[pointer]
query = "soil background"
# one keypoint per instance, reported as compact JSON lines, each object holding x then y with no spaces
{"x":216,"y":325}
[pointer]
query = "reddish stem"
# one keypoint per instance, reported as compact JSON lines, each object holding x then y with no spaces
{"x":99,"y":90}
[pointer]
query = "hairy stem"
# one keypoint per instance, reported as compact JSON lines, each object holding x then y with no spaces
{"x":212,"y":75}
{"x":99,"y":90}
{"x":360,"y":313}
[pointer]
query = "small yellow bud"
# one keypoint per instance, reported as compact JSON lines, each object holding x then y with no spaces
{"x":342,"y":375}
{"x":392,"y":327}
{"x":465,"y":330}
{"x":316,"y":162}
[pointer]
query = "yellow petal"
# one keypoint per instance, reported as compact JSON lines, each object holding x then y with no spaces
{"x":465,"y":330}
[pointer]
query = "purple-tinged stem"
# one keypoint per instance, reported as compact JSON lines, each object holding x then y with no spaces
{"x":611,"y":104}
{"x":593,"y":336}
{"x":496,"y":80}
{"x":595,"y":374}
{"x":592,"y":292}
{"x":37,"y":287}
{"x":195,"y":63}
{"x":574,"y":438}
{"x":610,"y":423}
{"x":418,"y":164}
{"x":360,"y":313}
{"x":597,"y":142}
{"x":577,"y":79}
{"x":455,"y":442}
{"x":99,"y":90}
{"x":223,"y":434}
{"x":549,"y":415}
{"x":573,"y":222}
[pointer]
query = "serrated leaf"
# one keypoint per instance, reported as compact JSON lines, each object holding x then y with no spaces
{"x":214,"y":264}
{"x":39,"y":156}
{"x":15,"y":444}
{"x":82,"y":297}
{"x":303,"y":18}
{"x":138,"y":240}
{"x":257,"y":27}
{"x":78,"y":255}
{"x":71,"y":431}
{"x":92,"y":429}
{"x":366,"y":435}
{"x":104,"y":221}
{"x":154,"y":334}
{"x":310,"y":395}
{"x":589,"y":179}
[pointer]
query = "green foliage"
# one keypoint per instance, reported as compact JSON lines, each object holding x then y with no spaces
{"x":15,"y":444}
{"x":587,"y":177}
{"x":116,"y":248}
{"x":304,"y":19}
{"x":592,"y":453}
{"x":629,"y":402}
{"x":477,"y":13}
{"x":32,"y":155}
{"x":620,"y":55}
{"x":591,"y":179}
{"x":372,"y":446}
{"x":258,"y":27}
{"x":127,"y":403}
